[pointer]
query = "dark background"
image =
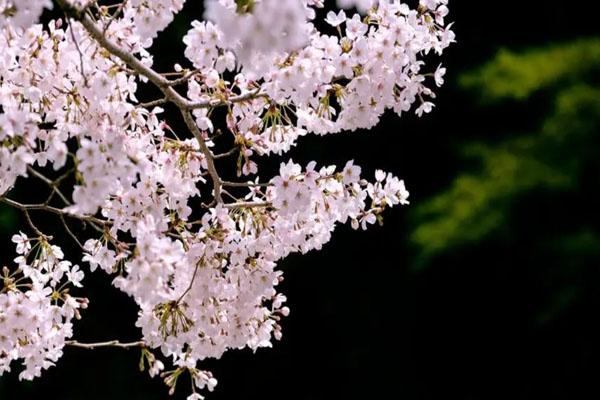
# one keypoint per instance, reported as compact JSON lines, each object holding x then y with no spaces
{"x":506,"y":310}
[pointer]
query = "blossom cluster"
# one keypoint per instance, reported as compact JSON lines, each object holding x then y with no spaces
{"x":215,"y":289}
{"x":262,"y":31}
{"x":197,"y":253}
{"x":151,"y":16}
{"x":22,"y":13}
{"x":36,"y":309}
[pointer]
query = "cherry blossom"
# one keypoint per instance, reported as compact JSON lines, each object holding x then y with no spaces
{"x":198,"y":254}
{"x":36,"y":309}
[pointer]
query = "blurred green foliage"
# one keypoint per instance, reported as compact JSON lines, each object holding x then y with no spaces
{"x":8,"y":220}
{"x":557,"y":158}
{"x":517,"y":76}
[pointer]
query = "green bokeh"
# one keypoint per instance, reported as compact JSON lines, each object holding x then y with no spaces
{"x":8,"y":220}
{"x":517,"y":75}
{"x":478,"y":202}
{"x":554,"y":164}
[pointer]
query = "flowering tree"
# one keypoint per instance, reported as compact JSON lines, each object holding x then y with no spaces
{"x":196,"y":252}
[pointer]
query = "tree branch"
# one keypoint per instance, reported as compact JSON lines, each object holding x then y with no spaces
{"x":154,"y":103}
{"x":245,"y":184}
{"x":70,"y":232}
{"x":165,"y":85}
{"x":184,"y":78}
{"x":111,"y":343}
{"x":54,"y":210}
{"x":249,"y":204}
{"x":230,"y":100}
{"x":226,"y":154}
{"x":134,"y":63}
{"x":53,"y":184}
{"x":210,"y":162}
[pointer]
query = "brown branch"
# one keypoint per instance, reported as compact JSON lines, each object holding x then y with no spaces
{"x":210,"y":162}
{"x":85,"y":79}
{"x":164,"y":84}
{"x":111,"y":343}
{"x":133,"y":62}
{"x":187,"y":290}
{"x":114,"y":16}
{"x":154,"y":103}
{"x":54,"y":210}
{"x":245,"y":184}
{"x":229,"y":100}
{"x":53,"y":184}
{"x":226,"y":154}
{"x":184,"y":78}
{"x":32,"y":225}
{"x":249,"y":204}
{"x":70,"y":232}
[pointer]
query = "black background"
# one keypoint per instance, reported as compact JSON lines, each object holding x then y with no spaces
{"x":363,"y":324}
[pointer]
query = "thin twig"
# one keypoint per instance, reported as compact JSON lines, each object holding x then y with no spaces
{"x":226,"y":154}
{"x":62,"y":218}
{"x":190,"y":285}
{"x":210,"y":162}
{"x":184,"y":78}
{"x":249,"y":204}
{"x":53,"y":184}
{"x":58,"y":211}
{"x":245,"y":184}
{"x":30,"y":222}
{"x":114,"y":16}
{"x":154,"y":103}
{"x":85,"y":80}
{"x":111,"y":343}
{"x":229,"y":100}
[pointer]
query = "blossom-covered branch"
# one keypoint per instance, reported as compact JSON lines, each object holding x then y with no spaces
{"x":196,"y":251}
